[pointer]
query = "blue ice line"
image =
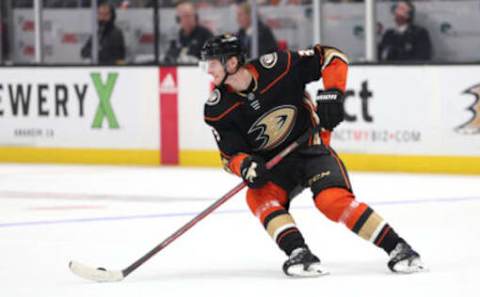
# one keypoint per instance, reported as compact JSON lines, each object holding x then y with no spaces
{"x":181,"y":214}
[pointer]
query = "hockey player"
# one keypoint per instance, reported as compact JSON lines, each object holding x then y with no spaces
{"x":256,"y":110}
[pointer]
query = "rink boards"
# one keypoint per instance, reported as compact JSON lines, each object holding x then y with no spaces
{"x":398,"y":118}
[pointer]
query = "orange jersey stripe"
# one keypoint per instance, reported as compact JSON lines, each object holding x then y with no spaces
{"x":252,"y":71}
{"x":344,"y":174}
{"x":285,"y":234}
{"x":219,"y":117}
{"x":380,"y":239}
{"x":270,"y":85}
{"x":224,"y":155}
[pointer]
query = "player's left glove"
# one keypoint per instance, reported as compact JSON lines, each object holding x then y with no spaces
{"x":330,"y":108}
{"x":254,"y":172}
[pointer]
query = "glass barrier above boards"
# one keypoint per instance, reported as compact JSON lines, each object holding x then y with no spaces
{"x":152,"y":32}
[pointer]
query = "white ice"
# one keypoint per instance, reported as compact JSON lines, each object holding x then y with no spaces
{"x":111,"y":216}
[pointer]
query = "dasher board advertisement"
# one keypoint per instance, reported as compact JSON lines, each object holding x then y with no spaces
{"x":79,"y":108}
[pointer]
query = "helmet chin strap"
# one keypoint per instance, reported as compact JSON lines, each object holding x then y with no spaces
{"x":224,"y":63}
{"x":225,"y":76}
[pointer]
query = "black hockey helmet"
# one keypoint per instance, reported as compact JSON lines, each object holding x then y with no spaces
{"x":223,"y":47}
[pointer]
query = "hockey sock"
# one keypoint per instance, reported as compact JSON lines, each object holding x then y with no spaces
{"x":372,"y":227}
{"x":281,"y":227}
{"x":339,"y":205}
{"x":268,"y":205}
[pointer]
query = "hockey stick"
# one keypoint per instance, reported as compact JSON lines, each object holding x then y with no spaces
{"x":103,"y":275}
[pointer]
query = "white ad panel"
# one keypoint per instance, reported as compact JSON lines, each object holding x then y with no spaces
{"x":405,"y":110}
{"x":408,"y":110}
{"x":388,"y":110}
{"x":79,"y":107}
{"x":460,"y":118}
{"x":194,"y":89}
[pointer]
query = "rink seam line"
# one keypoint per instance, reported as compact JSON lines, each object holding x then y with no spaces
{"x":157,"y":199}
{"x":167,"y":215}
{"x":95,"y":197}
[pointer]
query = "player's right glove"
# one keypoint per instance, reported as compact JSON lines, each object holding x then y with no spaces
{"x":254,"y":172}
{"x":330,"y":108}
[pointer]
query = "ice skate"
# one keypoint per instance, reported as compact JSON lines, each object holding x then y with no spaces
{"x":302,"y":263}
{"x":403,"y":259}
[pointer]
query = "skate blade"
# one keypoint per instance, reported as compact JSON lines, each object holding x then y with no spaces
{"x":314,"y":270}
{"x":410,"y":266}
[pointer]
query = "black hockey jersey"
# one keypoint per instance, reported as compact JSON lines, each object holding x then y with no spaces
{"x":276,"y":109}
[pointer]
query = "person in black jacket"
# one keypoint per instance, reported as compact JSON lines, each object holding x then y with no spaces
{"x":191,"y":36}
{"x":4,"y":41}
{"x":407,"y":41}
{"x":266,"y":40}
{"x":111,"y":44}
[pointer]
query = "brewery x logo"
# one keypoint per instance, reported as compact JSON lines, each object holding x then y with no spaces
{"x":104,"y":109}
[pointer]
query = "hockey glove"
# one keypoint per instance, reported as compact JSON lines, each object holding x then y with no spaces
{"x":254,"y":172}
{"x":330,"y":108}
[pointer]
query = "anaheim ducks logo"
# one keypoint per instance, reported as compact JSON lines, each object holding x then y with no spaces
{"x":274,"y":126}
{"x":472,"y":126}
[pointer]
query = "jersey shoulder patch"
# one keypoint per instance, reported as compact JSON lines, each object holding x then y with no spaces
{"x":214,"y":97}
{"x":269,"y":60}
{"x":271,"y":66}
{"x":272,"y":62}
{"x":217,"y":107}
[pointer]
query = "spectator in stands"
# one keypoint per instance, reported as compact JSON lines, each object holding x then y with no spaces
{"x":191,"y":36}
{"x":111,"y":44}
{"x":267,"y":42}
{"x":407,"y":41}
{"x":4,"y":41}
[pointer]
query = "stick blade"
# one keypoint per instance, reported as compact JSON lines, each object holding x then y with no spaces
{"x":95,"y":274}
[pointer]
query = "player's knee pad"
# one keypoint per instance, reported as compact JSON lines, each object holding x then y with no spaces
{"x":266,"y":200}
{"x":334,"y":203}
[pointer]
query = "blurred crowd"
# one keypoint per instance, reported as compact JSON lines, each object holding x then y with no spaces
{"x":167,"y":3}
{"x":404,"y":41}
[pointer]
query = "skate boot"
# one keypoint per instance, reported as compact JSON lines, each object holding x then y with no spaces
{"x":302,"y":263}
{"x":403,"y":259}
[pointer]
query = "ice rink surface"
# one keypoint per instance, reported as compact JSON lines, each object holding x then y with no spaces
{"x":111,"y":216}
